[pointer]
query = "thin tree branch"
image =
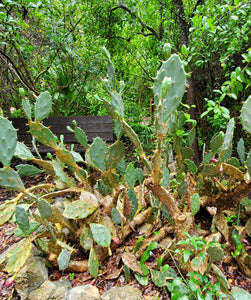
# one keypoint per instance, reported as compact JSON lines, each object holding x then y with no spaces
{"x":121,"y":5}
{"x":16,"y":71}
{"x":44,"y":71}
{"x":24,"y":65}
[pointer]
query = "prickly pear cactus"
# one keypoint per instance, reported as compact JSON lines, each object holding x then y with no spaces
{"x":43,"y":134}
{"x":23,"y":152}
{"x":173,"y":77}
{"x":44,"y":209}
{"x":228,"y":135}
{"x":8,"y":141}
{"x":215,"y":253}
{"x":43,"y":106}
{"x":10,"y":179}
{"x":114,"y":155}
{"x":217,"y":142}
{"x":117,"y":104}
{"x":98,"y":151}
{"x":167,"y":50}
{"x":246,"y":114}
{"x":26,"y":108}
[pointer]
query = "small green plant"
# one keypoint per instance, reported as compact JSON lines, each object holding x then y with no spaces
{"x":239,"y":248}
{"x":196,"y":284}
{"x":231,"y":219}
{"x":71,"y":276}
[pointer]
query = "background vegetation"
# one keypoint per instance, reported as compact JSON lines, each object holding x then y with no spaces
{"x":55,"y":46}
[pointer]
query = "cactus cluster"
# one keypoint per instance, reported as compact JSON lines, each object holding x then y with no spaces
{"x":122,"y":190}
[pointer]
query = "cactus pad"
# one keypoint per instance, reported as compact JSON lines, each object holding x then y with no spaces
{"x":195,"y":203}
{"x":101,"y":234}
{"x":98,"y":151}
{"x":228,"y":135}
{"x":115,"y":153}
{"x":43,"y":134}
{"x":44,"y":209}
{"x":174,"y":69}
{"x":215,"y":253}
{"x":117,"y":103}
{"x":86,"y":240}
{"x":43,"y":106}
{"x":217,"y":142}
{"x":6,"y":210}
{"x":130,"y":175}
{"x":93,"y":263}
{"x":81,"y":137}
{"x":79,"y":209}
{"x":241,"y":150}
{"x":167,"y":50}
{"x":23,"y":152}
{"x":246,"y":114}
{"x":64,"y":259}
{"x":8,"y":141}
{"x":10,"y":179}
{"x":26,"y":108}
{"x":28,"y":170}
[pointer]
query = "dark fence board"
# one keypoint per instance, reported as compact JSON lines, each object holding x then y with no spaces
{"x":93,"y":126}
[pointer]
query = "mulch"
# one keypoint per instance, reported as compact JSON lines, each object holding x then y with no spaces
{"x":112,"y":274}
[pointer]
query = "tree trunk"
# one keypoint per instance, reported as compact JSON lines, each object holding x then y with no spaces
{"x":183,"y":26}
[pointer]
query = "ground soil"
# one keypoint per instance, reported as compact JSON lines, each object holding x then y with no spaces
{"x":112,"y":273}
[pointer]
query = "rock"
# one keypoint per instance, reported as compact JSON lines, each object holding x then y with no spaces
{"x":58,"y":203}
{"x":49,"y":290}
{"x":212,"y":210}
{"x":122,"y":293}
{"x":86,"y":292}
{"x":31,"y":276}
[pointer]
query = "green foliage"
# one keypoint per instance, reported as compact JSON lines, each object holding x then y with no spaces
{"x":196,"y":285}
